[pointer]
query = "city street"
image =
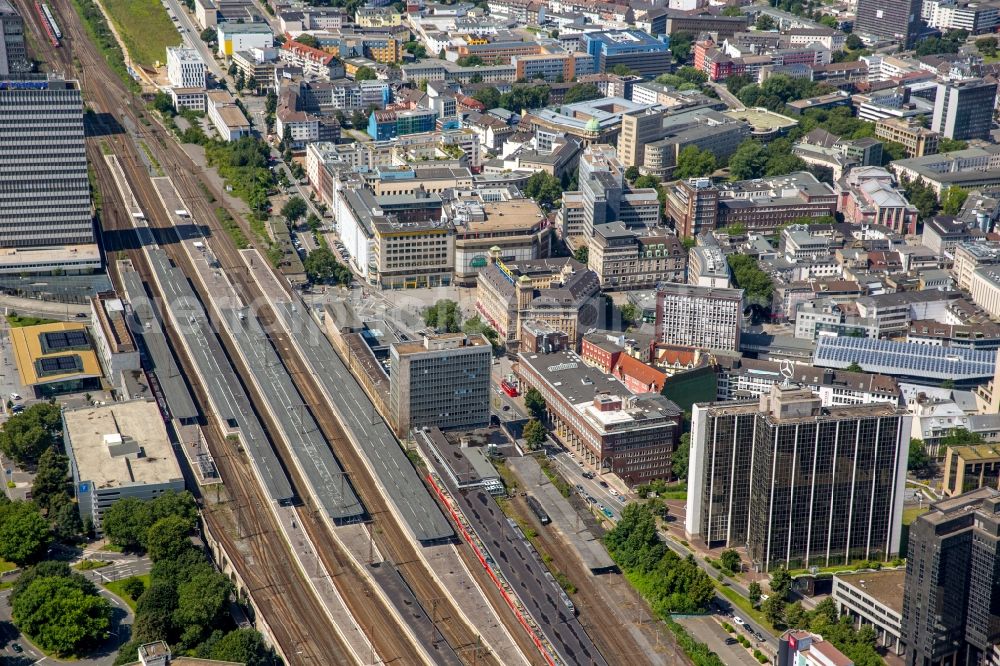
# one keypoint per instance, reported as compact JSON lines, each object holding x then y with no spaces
{"x":192,"y":36}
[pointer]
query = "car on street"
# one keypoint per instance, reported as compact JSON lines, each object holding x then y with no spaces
{"x":604,"y":484}
{"x":590,"y":498}
{"x":587,"y":475}
{"x":738,"y":620}
{"x":600,"y":506}
{"x":81,"y":315}
{"x":621,"y":498}
{"x":607,"y":512}
{"x":579,"y":488}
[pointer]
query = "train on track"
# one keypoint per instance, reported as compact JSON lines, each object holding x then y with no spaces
{"x":536,"y":508}
{"x":52,"y":30}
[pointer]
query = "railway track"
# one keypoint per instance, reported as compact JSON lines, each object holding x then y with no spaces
{"x":293,"y":614}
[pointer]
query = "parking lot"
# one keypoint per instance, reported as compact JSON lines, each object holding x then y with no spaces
{"x":707,"y":630}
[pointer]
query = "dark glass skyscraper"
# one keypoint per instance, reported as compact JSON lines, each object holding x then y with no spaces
{"x":797,"y":483}
{"x":951,"y":601}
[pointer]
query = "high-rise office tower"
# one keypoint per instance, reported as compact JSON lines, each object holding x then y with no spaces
{"x":44,"y":191}
{"x":964,"y":109}
{"x":13,"y":54}
{"x":443,"y":381}
{"x":898,"y":20}
{"x":951,"y":599}
{"x":797,"y":483}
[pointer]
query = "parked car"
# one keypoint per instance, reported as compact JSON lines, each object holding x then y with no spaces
{"x":738,"y":620}
{"x":731,"y":641}
{"x":607,"y":512}
{"x":81,"y":315}
{"x":16,"y":647}
{"x":15,"y":396}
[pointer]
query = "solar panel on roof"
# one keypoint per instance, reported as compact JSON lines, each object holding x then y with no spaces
{"x":65,"y":340}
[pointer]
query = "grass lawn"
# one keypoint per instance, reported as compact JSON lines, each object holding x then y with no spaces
{"x":115,"y":587}
{"x":145,"y":28}
{"x":6,"y":566}
{"x":87,"y":565}
{"x":16,"y":320}
{"x":111,"y":548}
{"x":746,"y":609}
{"x":911,"y":514}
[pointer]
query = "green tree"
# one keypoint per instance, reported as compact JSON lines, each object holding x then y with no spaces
{"x":694,"y":163}
{"x":534,"y":403}
{"x":544,"y":188}
{"x":749,"y":161}
{"x":582,"y":92}
{"x":202,"y":601}
{"x":65,"y":515}
{"x":854,"y":42}
{"x":294,"y":209}
{"x":753,"y":592}
{"x":774,"y":610}
{"x":730,"y":560}
{"x":444,"y":316}
{"x":631,"y":173}
{"x":270,"y":102}
{"x":795,"y":616}
{"x":946,"y":145}
{"x":305,"y":39}
{"x":243,"y":646}
{"x":922,"y":196}
{"x":623,"y":70}
{"x":469,"y":61}
{"x":24,"y":533}
{"x":126,"y":523}
{"x":49,"y":569}
{"x":680,"y":45}
{"x":679,"y":460}
{"x":154,"y":612}
{"x":322,"y":267}
{"x":781,"y":583}
{"x":51,"y":478}
{"x":534,"y":434}
{"x":961,"y":437}
{"x":365,"y":74}
{"x":133,"y":587}
{"x":854,"y":367}
{"x":60,"y":617}
{"x":765,"y":22}
{"x":167,"y":538}
{"x":732,"y":10}
{"x":209,"y":36}
{"x":757,"y":286}
{"x":582,"y":254}
{"x":987,"y":46}
{"x":630,"y":313}
{"x":918,"y":462}
{"x":736,"y":83}
{"x":25,"y":437}
{"x":952,"y":200}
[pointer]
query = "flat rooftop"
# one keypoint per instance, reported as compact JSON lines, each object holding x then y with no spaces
{"x":581,"y":385}
{"x":512,"y":215}
{"x":55,"y":352}
{"x":886,"y":586}
{"x":762,"y":119}
{"x":121,"y":444}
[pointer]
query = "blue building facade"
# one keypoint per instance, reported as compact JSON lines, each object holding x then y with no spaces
{"x":637,"y":50}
